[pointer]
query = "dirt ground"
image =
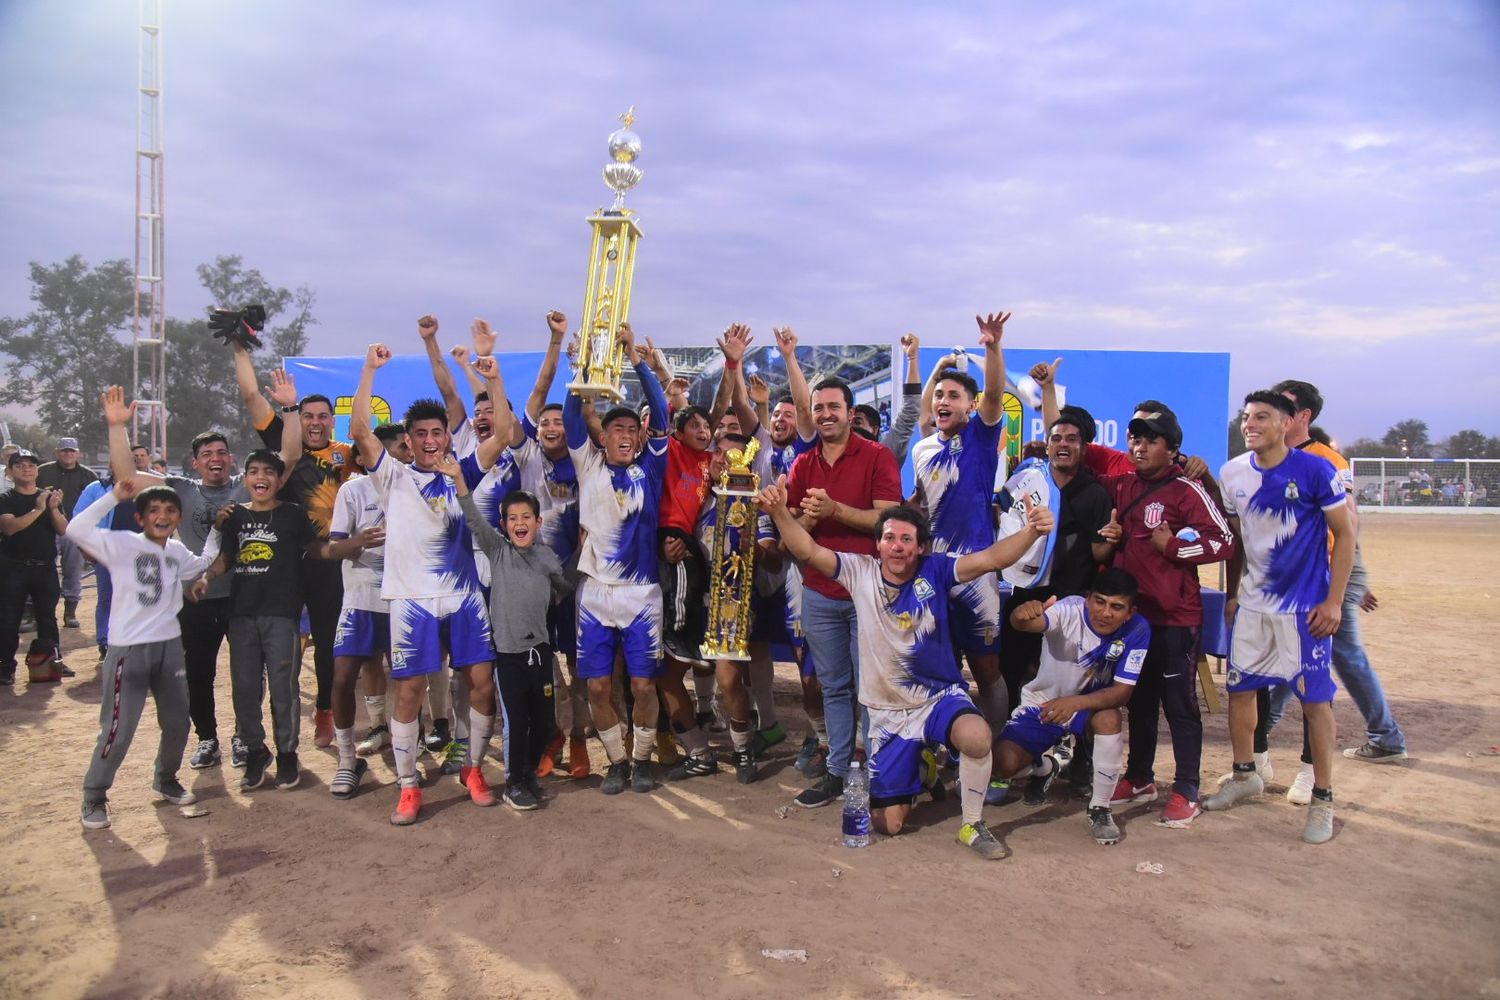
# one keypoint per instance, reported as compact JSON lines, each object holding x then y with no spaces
{"x":677,"y":893}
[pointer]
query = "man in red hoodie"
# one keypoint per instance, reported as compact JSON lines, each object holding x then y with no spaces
{"x":1163,"y":527}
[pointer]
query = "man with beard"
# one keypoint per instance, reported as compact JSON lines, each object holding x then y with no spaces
{"x":313,"y":484}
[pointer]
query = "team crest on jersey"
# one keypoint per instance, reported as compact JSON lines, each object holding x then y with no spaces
{"x":1234,"y":676}
{"x":1291,"y":490}
{"x":338,"y":458}
{"x":439,"y":505}
{"x":1116,"y":650}
{"x":923,"y":590}
{"x":636,"y":473}
{"x":1154,"y":513}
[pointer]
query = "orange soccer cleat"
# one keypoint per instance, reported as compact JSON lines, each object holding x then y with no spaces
{"x":408,"y":808}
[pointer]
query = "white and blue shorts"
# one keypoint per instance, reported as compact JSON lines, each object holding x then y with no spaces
{"x":897,"y":737}
{"x":362,"y":634}
{"x":1026,"y":730}
{"x":615,"y":617}
{"x":424,"y":628}
{"x":1267,"y":650}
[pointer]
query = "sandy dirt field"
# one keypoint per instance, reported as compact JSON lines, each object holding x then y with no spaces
{"x":677,"y":893}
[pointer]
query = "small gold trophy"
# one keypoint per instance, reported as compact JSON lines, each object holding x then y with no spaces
{"x":731,"y":571}
{"x":606,"y":303}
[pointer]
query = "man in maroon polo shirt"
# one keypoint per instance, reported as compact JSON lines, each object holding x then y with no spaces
{"x":837,"y":491}
{"x":1163,"y":527}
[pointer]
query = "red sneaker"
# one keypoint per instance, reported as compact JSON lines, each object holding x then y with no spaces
{"x":1180,"y":812}
{"x":578,"y":758}
{"x":549,"y":756}
{"x":1126,"y":792}
{"x":322,"y":727}
{"x":479,"y":789}
{"x":408,"y":807}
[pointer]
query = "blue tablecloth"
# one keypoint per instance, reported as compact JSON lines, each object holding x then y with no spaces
{"x":1215,"y":641}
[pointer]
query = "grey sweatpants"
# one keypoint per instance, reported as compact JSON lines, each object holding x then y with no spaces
{"x":127,"y":674}
{"x":263,"y":650}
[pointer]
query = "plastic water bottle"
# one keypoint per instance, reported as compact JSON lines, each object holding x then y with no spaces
{"x":857,"y":806}
{"x":960,"y":359}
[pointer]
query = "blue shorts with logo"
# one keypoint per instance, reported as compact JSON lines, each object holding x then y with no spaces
{"x":362,"y":634}
{"x":423,"y":629}
{"x":1026,"y":729}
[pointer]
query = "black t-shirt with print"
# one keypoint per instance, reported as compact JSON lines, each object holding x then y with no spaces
{"x":265,"y":550}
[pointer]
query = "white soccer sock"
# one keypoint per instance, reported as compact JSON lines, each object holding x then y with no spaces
{"x":740,"y":737}
{"x":820,"y":729}
{"x":613,"y":739}
{"x":481,"y":728}
{"x":375,"y":709}
{"x":645,"y":743}
{"x":344,"y":740}
{"x":763,"y":687}
{"x":694,"y":742}
{"x":973,"y":780}
{"x":703,"y":690}
{"x":1109,"y":751}
{"x":404,"y":748}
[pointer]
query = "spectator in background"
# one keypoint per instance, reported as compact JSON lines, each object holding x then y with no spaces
{"x":6,"y":483}
{"x":159,"y":466}
{"x":30,"y":521}
{"x":70,"y":477}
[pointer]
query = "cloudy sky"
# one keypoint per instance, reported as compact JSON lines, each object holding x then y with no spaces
{"x":1314,"y":187}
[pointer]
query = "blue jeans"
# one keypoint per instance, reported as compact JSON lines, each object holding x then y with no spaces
{"x":832,"y":638}
{"x":1352,"y":666}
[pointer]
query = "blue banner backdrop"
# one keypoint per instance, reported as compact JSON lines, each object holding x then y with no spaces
{"x":1107,"y":383}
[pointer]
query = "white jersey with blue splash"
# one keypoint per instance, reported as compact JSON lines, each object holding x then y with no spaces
{"x":955,"y":477}
{"x":555,"y":484}
{"x":1078,"y":660}
{"x":906,"y":652}
{"x":356,"y":508}
{"x":428,"y":549}
{"x":499,"y":479}
{"x":620,"y":508}
{"x":783,"y":456}
{"x":1283,"y":528}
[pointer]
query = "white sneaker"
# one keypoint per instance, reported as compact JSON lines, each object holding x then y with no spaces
{"x":1262,"y":767}
{"x":1235,"y":791}
{"x":376,"y":740}
{"x":1319,"y":827}
{"x":1300,"y":794}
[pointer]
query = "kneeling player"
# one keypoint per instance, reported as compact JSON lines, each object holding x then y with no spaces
{"x":1092,"y":651}
{"x":909,"y":679}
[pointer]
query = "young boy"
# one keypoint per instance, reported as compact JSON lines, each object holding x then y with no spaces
{"x":526,"y":578}
{"x":145,"y":640}
{"x":266,"y":542}
{"x":1091,"y":656}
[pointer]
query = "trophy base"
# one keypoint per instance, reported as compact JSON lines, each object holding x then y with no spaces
{"x":721,"y":654}
{"x":589,"y":390}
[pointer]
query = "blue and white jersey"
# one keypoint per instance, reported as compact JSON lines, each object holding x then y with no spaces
{"x":356,"y":508}
{"x":428,"y":549}
{"x":498,"y":480}
{"x":906,"y":653}
{"x":1078,"y":660}
{"x":620,"y":508}
{"x":955,"y":477}
{"x":555,"y":484}
{"x":1283,"y":528}
{"x":782,"y":456}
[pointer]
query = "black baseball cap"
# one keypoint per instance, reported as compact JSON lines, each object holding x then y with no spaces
{"x":22,"y":456}
{"x":1158,"y":423}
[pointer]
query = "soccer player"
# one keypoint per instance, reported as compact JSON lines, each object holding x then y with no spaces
{"x":1091,"y":656}
{"x":363,"y":639}
{"x":1285,"y":595}
{"x":619,"y":599}
{"x":954,"y":471}
{"x":145,"y":646}
{"x":909,"y":679}
{"x":430,"y":582}
{"x":313,"y":485}
{"x":866,"y":418}
{"x":1163,"y":526}
{"x":31,"y":521}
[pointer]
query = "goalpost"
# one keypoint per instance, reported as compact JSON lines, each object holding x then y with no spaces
{"x":1428,"y":485}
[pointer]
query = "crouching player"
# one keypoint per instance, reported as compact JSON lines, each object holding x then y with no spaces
{"x":909,"y":679}
{"x":1092,"y":651}
{"x":145,"y":640}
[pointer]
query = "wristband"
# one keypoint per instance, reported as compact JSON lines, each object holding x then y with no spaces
{"x":730,"y":365}
{"x":294,"y":408}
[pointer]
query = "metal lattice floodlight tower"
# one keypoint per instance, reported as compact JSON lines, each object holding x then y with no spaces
{"x":149,"y":321}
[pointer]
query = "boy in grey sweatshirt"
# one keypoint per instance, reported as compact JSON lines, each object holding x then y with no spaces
{"x":525,"y":578}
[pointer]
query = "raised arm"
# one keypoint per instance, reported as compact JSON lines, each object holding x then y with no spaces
{"x":442,"y":375}
{"x":488,"y":452}
{"x":485,"y":536}
{"x":991,"y":332}
{"x":117,"y":416}
{"x":244,"y":376}
{"x":732,"y":345}
{"x":1039,"y":524}
{"x":904,"y":423}
{"x":786,"y":343}
{"x":794,"y":537}
{"x":557,"y":329}
{"x":759,"y":394}
{"x":650,"y":385}
{"x":361,"y":429}
{"x":461,"y":354}
{"x":1045,"y":375}
{"x":283,"y":392}
{"x":735,"y":343}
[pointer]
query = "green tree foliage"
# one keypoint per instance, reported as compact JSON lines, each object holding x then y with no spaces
{"x":288,"y":312}
{"x":62,"y":354}
{"x":1467,"y":444}
{"x":1414,"y":433}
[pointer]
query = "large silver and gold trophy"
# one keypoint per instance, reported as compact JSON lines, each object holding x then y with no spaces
{"x":606,"y":303}
{"x":731,"y":567}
